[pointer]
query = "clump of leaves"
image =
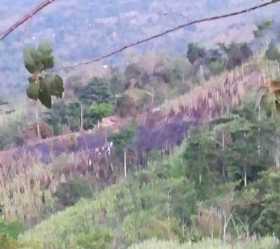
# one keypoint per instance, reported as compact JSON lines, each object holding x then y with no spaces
{"x":43,"y":85}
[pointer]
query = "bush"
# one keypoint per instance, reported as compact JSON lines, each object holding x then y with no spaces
{"x":69,"y":193}
{"x":195,"y":53}
{"x":99,"y":111}
{"x":11,"y":230}
{"x":142,"y":226}
{"x":98,"y":239}
{"x":133,"y":101}
{"x":9,"y":243}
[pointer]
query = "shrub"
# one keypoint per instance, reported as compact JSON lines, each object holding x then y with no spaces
{"x":98,"y":239}
{"x":99,"y":111}
{"x":9,"y":243}
{"x":195,"y":53}
{"x":69,"y":193}
{"x":142,"y":226}
{"x":12,"y":229}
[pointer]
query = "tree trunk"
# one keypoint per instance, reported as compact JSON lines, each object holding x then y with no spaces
{"x":223,"y":161}
{"x":38,"y":130}
{"x":125,"y":163}
{"x":259,"y":131}
{"x":81,"y":117}
{"x":245,"y":177}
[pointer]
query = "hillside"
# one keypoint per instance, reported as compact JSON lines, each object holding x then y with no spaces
{"x":166,"y":128}
{"x":173,"y":144}
{"x":87,"y":29}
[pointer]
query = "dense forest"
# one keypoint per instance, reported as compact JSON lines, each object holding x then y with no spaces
{"x":173,"y":144}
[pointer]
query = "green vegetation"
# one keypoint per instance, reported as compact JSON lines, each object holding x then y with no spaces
{"x":42,"y":85}
{"x":268,"y":243}
{"x":11,"y":230}
{"x":146,"y":156}
{"x":69,"y":193}
{"x":272,"y":52}
{"x":221,"y":182}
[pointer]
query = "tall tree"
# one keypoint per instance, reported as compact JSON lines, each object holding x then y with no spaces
{"x":43,"y":84}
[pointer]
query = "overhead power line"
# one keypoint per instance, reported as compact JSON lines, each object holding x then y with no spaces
{"x":25,"y":18}
{"x":171,"y":30}
{"x":45,"y":3}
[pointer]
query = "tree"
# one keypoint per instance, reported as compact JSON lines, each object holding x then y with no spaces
{"x":216,"y":61}
{"x":249,"y":146}
{"x":237,"y":53}
{"x":133,"y":101}
{"x":200,"y":162}
{"x":95,"y":113}
{"x":99,"y":111}
{"x":195,"y":53}
{"x":260,"y":204}
{"x":262,"y":28}
{"x":95,"y":101}
{"x":43,"y":85}
{"x":272,"y":52}
{"x":97,"y":91}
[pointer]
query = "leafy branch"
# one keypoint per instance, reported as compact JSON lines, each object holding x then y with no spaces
{"x":42,"y":84}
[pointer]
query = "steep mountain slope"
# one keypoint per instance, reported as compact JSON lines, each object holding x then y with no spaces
{"x":92,"y":154}
{"x":202,"y":104}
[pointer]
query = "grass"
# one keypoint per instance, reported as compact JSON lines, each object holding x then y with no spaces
{"x":265,"y":243}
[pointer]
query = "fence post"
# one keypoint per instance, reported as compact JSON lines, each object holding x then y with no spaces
{"x":125,"y":163}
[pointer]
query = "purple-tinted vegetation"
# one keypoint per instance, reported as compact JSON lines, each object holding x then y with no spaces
{"x":162,"y":132}
{"x":158,"y":131}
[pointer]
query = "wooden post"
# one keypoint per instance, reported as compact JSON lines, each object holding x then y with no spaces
{"x":81,"y":117}
{"x":245,"y":177}
{"x":125,"y":163}
{"x":37,"y":120}
{"x":259,"y":131}
{"x":223,"y":148}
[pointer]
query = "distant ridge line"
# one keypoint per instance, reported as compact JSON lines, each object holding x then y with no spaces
{"x":46,"y":3}
{"x":168,"y":31}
